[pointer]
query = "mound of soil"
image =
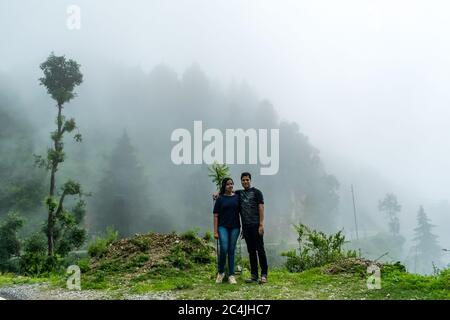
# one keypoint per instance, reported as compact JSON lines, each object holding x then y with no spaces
{"x":142,"y":253}
{"x":351,"y":265}
{"x":360,"y":265}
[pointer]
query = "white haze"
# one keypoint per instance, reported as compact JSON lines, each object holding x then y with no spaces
{"x":367,"y":81}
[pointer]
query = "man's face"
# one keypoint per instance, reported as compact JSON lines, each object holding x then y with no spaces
{"x":245,"y":181}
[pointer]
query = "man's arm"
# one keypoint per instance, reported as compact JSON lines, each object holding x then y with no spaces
{"x":261,"y":212}
{"x":261,"y":218}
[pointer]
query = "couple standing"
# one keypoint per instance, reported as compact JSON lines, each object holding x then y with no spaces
{"x":230,"y":209}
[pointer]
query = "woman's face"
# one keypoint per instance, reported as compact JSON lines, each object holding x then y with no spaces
{"x":229,"y":186}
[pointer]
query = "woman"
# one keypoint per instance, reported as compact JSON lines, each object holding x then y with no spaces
{"x":227,"y":228}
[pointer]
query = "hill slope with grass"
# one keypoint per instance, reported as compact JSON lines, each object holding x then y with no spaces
{"x":172,"y":266}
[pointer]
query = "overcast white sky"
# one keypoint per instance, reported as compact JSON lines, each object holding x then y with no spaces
{"x":368,"y":81}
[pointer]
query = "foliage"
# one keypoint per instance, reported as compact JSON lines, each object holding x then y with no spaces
{"x":390,"y":206}
{"x":123,"y":270}
{"x":179,"y":258}
{"x":191,"y":235}
{"x":61,"y":76}
{"x":311,"y":284}
{"x":383,"y":246}
{"x":315,"y":249}
{"x":208,"y":237}
{"x":100,"y":244}
{"x":63,"y":229}
{"x":9,"y":240}
{"x":193,"y":250}
{"x":427,"y":252}
{"x":68,"y":232}
{"x":218,"y":172}
{"x":22,"y":185}
{"x":122,"y":198}
{"x":151,"y":255}
{"x":34,"y":259}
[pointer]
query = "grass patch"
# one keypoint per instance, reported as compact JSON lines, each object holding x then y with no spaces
{"x":185,"y":266}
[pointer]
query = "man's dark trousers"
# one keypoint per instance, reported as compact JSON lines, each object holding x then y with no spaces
{"x":255,"y":247}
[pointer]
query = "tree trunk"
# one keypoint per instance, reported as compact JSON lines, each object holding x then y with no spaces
{"x":54,"y":168}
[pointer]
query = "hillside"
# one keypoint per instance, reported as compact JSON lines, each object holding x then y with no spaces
{"x":171,"y":266}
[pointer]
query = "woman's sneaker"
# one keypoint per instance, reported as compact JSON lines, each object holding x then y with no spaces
{"x":232,"y":280}
{"x":220,"y":277}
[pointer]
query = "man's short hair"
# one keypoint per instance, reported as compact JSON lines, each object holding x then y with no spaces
{"x":246,"y":174}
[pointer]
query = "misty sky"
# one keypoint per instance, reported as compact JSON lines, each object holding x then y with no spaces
{"x":366,"y":80}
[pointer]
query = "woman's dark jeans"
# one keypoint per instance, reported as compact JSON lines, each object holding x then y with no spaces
{"x":227,"y":243}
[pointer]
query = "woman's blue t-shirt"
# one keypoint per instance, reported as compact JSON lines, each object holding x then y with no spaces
{"x":227,"y":207}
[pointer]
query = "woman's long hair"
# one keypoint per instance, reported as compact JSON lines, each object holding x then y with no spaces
{"x":224,"y":184}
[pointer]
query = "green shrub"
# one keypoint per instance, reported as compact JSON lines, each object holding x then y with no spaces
{"x":294,"y":262}
{"x":391,"y":267}
{"x":181,"y":284}
{"x":84,"y":264}
{"x":191,"y":236}
{"x":10,"y":242}
{"x":208,"y":237}
{"x":202,"y":255}
{"x":100,"y":244}
{"x":316,"y":249}
{"x":34,"y":260}
{"x":112,"y":265}
{"x":139,"y":260}
{"x":178,"y":258}
{"x":141,"y":242}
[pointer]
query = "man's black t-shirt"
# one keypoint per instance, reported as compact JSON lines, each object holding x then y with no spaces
{"x":227,"y":207}
{"x":249,"y":201}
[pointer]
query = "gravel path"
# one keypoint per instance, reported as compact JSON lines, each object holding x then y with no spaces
{"x":44,"y":292}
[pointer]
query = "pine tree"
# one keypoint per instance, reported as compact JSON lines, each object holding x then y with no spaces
{"x":9,"y":239}
{"x":22,"y":187}
{"x":390,"y":206}
{"x":122,"y":200}
{"x":427,"y":250}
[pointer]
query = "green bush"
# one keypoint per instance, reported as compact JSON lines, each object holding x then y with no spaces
{"x":208,"y":237}
{"x":34,"y":260}
{"x":83,"y":263}
{"x":179,"y":259}
{"x":10,"y":242}
{"x":100,"y":244}
{"x":202,"y":255}
{"x":191,"y":236}
{"x":316,"y":249}
{"x":139,"y":260}
{"x":141,"y":242}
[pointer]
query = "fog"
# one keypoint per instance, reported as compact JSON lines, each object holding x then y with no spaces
{"x":366,"y":82}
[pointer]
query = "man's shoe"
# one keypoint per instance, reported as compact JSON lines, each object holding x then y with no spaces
{"x":232,"y":280}
{"x":251,"y":280}
{"x":263,"y":279}
{"x":220,"y":277}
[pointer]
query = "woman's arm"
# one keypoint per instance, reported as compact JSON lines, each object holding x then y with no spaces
{"x":216,"y":224}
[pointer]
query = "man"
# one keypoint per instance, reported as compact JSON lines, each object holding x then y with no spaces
{"x":251,"y":203}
